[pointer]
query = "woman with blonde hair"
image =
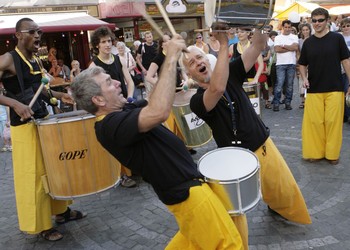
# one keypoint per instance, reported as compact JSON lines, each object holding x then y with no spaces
{"x":200,"y":44}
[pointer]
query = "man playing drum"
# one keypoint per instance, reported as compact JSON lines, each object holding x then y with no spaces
{"x":21,"y":73}
{"x":133,"y":133}
{"x":222,"y":103}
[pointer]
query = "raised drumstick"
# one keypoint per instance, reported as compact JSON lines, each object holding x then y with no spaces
{"x":150,"y":20}
{"x":165,"y":17}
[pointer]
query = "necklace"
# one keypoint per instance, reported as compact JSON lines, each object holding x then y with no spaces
{"x":110,"y":60}
{"x":242,"y":47}
{"x":32,"y":60}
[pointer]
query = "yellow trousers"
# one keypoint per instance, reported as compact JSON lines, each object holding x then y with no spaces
{"x":203,"y":223}
{"x":278,"y":186}
{"x":34,"y":206}
{"x":323,"y":125}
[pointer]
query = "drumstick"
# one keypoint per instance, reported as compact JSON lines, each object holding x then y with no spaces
{"x":44,"y":81}
{"x":165,"y":17}
{"x":150,"y":20}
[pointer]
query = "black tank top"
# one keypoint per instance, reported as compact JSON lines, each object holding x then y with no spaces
{"x":115,"y":71}
{"x":251,"y":73}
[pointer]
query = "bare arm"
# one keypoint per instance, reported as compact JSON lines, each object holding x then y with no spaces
{"x":303,"y":70}
{"x":251,"y":54}
{"x":24,"y":111}
{"x":139,"y":62}
{"x":219,"y":77}
{"x":162,"y":98}
{"x":129,"y":82}
{"x":260,"y":62}
{"x":346,"y":66}
{"x":151,"y":76}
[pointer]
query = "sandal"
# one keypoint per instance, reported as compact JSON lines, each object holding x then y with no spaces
{"x":268,"y":106}
{"x":69,"y":215}
{"x":51,"y":235}
{"x":301,"y":106}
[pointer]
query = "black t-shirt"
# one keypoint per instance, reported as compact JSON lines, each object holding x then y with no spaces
{"x":251,"y":131}
{"x":158,"y":155}
{"x":115,"y":70}
{"x":252,"y":72}
{"x":148,"y":53}
{"x":323,"y":57}
{"x":159,"y":60}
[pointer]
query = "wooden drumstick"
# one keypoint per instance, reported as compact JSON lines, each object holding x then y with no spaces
{"x":44,"y":81}
{"x":165,"y":17}
{"x":150,"y":20}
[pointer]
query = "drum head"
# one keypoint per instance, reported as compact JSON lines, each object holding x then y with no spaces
{"x":183,"y":97}
{"x":227,"y":164}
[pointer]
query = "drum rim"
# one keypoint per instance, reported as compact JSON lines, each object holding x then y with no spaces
{"x":61,"y":118}
{"x":184,"y":92}
{"x":232,"y":180}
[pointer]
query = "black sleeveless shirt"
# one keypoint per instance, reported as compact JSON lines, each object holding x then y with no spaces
{"x":115,"y":71}
{"x":31,"y":83}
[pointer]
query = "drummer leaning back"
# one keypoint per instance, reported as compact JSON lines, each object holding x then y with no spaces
{"x":132,"y":132}
{"x":223,"y":104}
{"x":21,"y":73}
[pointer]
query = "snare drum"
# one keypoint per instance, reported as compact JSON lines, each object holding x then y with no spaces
{"x":253,"y":92}
{"x":76,"y":164}
{"x":194,"y":130}
{"x":233,"y":175}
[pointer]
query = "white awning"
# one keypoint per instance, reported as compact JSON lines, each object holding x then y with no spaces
{"x":54,"y":22}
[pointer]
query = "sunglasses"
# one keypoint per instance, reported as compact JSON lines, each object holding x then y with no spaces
{"x":346,"y":26}
{"x":321,"y":20}
{"x":32,"y":32}
{"x":199,"y":37}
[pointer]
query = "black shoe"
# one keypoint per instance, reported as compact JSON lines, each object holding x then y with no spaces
{"x":288,"y":106}
{"x":192,"y":151}
{"x":276,"y":107}
{"x":127,"y":182}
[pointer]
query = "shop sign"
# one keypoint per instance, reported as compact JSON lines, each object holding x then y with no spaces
{"x":120,"y":9}
{"x":176,"y":8}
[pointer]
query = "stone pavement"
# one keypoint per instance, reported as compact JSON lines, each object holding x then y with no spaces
{"x":123,"y":218}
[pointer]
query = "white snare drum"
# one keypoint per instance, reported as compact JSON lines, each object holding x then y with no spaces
{"x":233,"y":175}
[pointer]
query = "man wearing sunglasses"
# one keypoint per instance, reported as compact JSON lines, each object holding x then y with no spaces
{"x":322,"y":56}
{"x":22,"y":73}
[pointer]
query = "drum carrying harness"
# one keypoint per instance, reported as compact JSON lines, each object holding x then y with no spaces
{"x":233,"y":118}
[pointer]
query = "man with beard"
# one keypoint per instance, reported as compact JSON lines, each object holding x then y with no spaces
{"x":21,"y":73}
{"x":223,"y":104}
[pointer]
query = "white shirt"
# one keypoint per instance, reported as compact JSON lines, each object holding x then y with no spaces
{"x":287,"y":57}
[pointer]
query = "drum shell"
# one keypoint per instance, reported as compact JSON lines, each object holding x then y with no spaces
{"x":253,"y":92}
{"x":239,"y":195}
{"x":245,"y":13}
{"x":200,"y":133}
{"x":75,"y":162}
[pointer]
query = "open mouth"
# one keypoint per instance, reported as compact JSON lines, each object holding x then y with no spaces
{"x":37,"y":44}
{"x":202,"y":69}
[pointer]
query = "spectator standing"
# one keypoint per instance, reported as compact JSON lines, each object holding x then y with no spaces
{"x":286,"y":46}
{"x":321,"y":55}
{"x":200,"y":44}
{"x":305,"y":32}
{"x":101,"y":41}
{"x":345,"y":29}
{"x":146,"y":52}
{"x":232,"y":36}
{"x":213,"y":45}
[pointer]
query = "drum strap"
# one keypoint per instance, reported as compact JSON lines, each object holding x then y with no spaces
{"x":233,"y":118}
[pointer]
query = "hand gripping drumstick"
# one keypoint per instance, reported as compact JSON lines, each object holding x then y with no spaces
{"x":44,"y":81}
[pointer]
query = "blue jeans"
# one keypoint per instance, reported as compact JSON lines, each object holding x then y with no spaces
{"x":285,"y":75}
{"x":346,"y":86}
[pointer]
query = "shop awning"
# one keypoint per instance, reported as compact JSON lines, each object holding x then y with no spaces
{"x":298,"y":7}
{"x":54,"y":22}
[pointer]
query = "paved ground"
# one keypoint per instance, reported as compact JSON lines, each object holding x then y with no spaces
{"x":134,"y":218}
